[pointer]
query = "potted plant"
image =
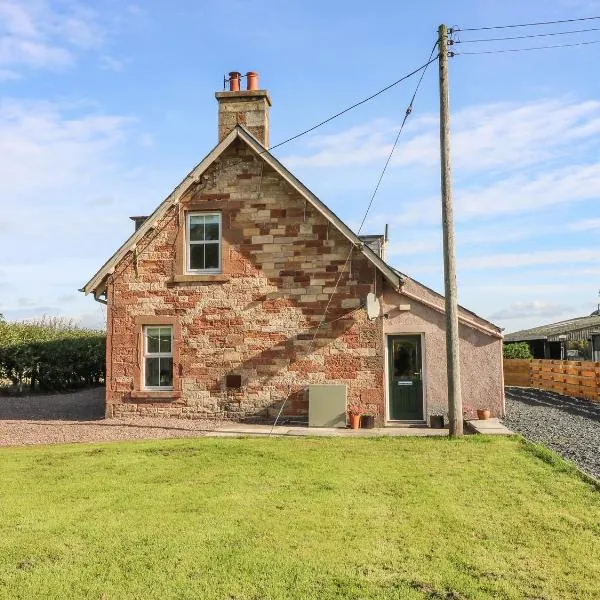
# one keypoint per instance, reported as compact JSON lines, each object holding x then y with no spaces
{"x":367,"y":420}
{"x":483,"y":414}
{"x":354,"y":417}
{"x":436,"y":421}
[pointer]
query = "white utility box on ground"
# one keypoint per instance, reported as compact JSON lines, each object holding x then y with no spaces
{"x":327,"y":405}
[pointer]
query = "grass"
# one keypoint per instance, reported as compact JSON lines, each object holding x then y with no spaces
{"x":241,"y":519}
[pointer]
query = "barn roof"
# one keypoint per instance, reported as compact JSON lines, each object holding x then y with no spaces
{"x":553,"y":330}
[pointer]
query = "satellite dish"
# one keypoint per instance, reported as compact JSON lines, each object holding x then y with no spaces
{"x":372,"y":305}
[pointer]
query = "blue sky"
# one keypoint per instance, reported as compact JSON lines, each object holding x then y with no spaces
{"x":105,"y":106}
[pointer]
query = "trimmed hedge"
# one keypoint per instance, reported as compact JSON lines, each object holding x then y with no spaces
{"x":51,"y":355}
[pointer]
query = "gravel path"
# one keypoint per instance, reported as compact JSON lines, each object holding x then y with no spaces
{"x":78,"y":417}
{"x":567,"y":425}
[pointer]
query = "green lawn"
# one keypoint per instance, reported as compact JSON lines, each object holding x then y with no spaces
{"x":297,"y":518}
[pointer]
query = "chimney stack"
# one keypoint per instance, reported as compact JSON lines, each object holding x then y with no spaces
{"x":139,"y":221}
{"x":249,"y":107}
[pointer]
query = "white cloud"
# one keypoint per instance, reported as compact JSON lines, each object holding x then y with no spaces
{"x":425,"y":239}
{"x":92,"y":320}
{"x":47,"y":145}
{"x":414,"y":245}
{"x":517,"y":260}
{"x":585,"y":225}
{"x":484,"y":137}
{"x":531,"y":193}
{"x":110,"y":63}
{"x":27,"y":302}
{"x":508,"y":158}
{"x":535,"y":308}
{"x":513,"y":194}
{"x":101,"y":201}
{"x":62,"y":171}
{"x":43,"y":35}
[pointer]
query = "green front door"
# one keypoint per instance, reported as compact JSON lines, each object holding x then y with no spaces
{"x":405,"y":378}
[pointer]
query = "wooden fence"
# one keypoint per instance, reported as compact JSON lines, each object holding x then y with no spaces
{"x":572,"y":378}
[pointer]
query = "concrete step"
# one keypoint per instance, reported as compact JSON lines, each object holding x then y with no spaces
{"x":491,"y":426}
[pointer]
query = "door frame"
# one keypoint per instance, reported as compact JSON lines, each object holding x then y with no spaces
{"x":386,"y":375}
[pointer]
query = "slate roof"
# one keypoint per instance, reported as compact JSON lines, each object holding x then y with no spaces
{"x":552,"y":331}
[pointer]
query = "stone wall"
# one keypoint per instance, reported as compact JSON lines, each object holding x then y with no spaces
{"x":281,"y":261}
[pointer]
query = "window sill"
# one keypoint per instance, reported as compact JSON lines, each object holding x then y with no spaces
{"x":156,"y":395}
{"x":199,"y":278}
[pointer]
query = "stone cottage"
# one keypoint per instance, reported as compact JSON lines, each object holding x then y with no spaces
{"x":242,"y":290}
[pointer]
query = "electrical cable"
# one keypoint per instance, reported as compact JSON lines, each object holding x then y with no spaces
{"x":522,"y":37}
{"x":528,"y":49}
{"x":526,"y":24}
{"x":383,"y":171}
{"x":349,"y":108}
{"x":387,"y":162}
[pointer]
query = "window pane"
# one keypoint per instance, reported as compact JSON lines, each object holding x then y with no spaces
{"x":152,"y":372}
{"x":153,"y":336}
{"x":211,"y":256}
{"x":196,"y":228}
{"x":211,"y":231}
{"x":165,"y":339}
{"x":166,"y":372}
{"x":211,"y":219}
{"x":196,"y":256}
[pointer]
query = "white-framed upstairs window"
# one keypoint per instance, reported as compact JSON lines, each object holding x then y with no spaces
{"x":203,"y":242}
{"x":158,"y":357}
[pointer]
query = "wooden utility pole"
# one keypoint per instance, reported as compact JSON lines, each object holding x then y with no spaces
{"x":452,"y":334}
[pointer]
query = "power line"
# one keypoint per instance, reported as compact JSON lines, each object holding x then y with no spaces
{"x":527,"y":49}
{"x":525,"y":24}
{"x":385,"y":166}
{"x":522,"y":37}
{"x":389,"y":158}
{"x":385,"y":89}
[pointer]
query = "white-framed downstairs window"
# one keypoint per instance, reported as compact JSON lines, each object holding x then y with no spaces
{"x":158,"y":357}
{"x":203,"y":241}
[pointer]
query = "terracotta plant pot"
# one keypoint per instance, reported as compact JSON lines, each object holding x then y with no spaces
{"x":354,"y":421}
{"x":483,"y":414}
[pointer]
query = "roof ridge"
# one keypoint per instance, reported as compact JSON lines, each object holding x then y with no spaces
{"x":174,"y":197}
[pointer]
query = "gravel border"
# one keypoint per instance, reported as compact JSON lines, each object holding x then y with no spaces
{"x":569,"y":426}
{"x":78,"y":417}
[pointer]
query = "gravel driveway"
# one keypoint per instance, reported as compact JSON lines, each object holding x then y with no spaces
{"x":78,"y":417}
{"x":567,"y":425}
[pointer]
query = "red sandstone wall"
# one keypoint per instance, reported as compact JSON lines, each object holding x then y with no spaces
{"x":281,"y":261}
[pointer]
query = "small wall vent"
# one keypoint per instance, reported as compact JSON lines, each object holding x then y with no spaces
{"x":233,"y":381}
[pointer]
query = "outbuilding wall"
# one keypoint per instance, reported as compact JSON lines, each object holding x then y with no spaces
{"x":480,"y":354}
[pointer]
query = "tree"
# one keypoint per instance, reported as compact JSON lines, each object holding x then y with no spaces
{"x":517,"y":350}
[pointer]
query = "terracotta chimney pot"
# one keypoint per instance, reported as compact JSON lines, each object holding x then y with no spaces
{"x":234,"y":81}
{"x":251,"y":80}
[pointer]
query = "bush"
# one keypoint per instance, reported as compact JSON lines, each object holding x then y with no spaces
{"x":51,"y":355}
{"x":517,"y":350}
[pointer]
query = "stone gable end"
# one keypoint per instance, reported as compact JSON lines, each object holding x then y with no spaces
{"x":256,"y":319}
